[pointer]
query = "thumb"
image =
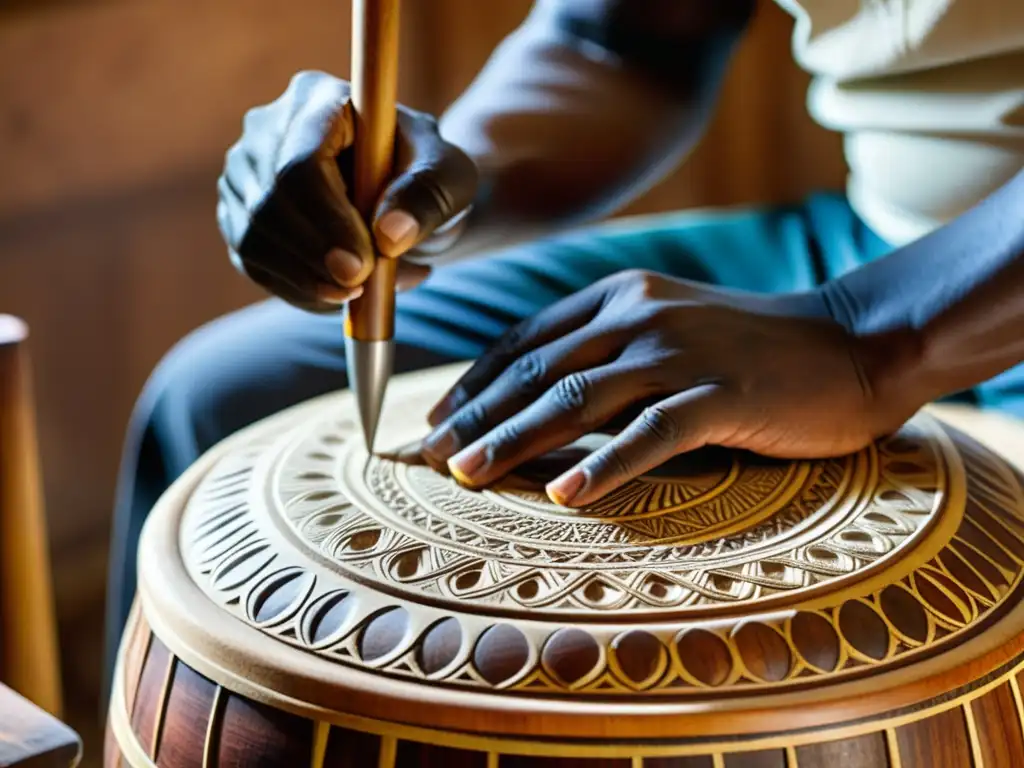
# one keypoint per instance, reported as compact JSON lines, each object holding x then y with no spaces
{"x":438,"y":184}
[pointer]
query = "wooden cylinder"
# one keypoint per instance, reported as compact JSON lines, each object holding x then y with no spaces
{"x":303,"y":603}
{"x":29,"y":660}
{"x":375,"y":23}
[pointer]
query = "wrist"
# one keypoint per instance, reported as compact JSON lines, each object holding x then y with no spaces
{"x":891,"y":364}
{"x":889,"y":358}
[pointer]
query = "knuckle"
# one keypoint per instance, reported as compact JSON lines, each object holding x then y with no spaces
{"x":661,"y":424}
{"x":254,"y":119}
{"x":646,"y":283}
{"x":413,"y":120}
{"x":225,"y":223}
{"x":306,"y":78}
{"x":571,"y":392}
{"x":506,"y":441}
{"x":236,"y":157}
{"x":431,"y":194}
{"x":529,"y":371}
{"x":469,"y":422}
{"x":649,"y":316}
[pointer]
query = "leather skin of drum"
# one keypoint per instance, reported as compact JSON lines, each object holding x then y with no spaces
{"x":303,"y":604}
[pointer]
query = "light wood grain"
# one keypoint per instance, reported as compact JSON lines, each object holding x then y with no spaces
{"x":375,"y":51}
{"x":28,"y":635}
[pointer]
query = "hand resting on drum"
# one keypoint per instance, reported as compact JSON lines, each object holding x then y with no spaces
{"x":284,"y":211}
{"x":691,"y":365}
{"x":803,"y":375}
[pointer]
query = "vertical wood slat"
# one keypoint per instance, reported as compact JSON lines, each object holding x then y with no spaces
{"x":977,"y":760}
{"x":321,"y":736}
{"x":29,"y":661}
{"x":1018,"y":701}
{"x":134,"y":654}
{"x":940,"y":739}
{"x":997,"y":727}
{"x":211,"y":742}
{"x":892,"y":749}
{"x":388,"y":750}
{"x":161,"y":710}
{"x":151,"y":695}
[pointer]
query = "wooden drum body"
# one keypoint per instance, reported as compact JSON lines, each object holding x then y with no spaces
{"x":302,"y":604}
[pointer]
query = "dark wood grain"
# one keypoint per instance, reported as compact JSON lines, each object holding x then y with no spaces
{"x":148,"y":697}
{"x":249,"y":729}
{"x":32,"y":738}
{"x":692,"y":761}
{"x":999,"y":727}
{"x":523,"y":761}
{"x":187,"y":716}
{"x":867,"y":751}
{"x":414,"y":755}
{"x":351,"y":749}
{"x":938,"y":740}
{"x":772,"y":758}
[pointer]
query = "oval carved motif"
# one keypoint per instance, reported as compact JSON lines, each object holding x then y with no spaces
{"x":640,"y":655}
{"x":764,"y":652}
{"x":705,"y":656}
{"x":571,"y":655}
{"x":864,"y":629}
{"x":501,"y":654}
{"x":815,"y":640}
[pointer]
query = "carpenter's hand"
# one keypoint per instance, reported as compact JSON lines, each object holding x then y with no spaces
{"x":773,"y":375}
{"x":284,"y":209}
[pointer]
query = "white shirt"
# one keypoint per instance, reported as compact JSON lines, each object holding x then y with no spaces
{"x":929,"y":95}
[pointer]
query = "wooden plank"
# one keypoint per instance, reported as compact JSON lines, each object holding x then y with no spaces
{"x":31,"y":737}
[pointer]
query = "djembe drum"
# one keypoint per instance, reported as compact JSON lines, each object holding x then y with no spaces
{"x":303,"y":604}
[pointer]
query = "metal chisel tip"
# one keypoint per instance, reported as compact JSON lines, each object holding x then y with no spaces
{"x":369,"y":369}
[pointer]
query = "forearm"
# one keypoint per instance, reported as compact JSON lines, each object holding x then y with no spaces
{"x":580,"y":111}
{"x":946,"y":312}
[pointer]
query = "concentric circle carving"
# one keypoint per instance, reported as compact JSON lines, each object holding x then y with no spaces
{"x":712,"y":529}
{"x":717,"y":573}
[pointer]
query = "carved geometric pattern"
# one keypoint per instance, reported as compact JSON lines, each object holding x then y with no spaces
{"x":392,"y":568}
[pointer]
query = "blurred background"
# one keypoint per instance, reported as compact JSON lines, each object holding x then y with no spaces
{"x":114,"y":119}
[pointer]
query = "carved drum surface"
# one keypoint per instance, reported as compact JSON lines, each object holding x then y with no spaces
{"x":303,"y":604}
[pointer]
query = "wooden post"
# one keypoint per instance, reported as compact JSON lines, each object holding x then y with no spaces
{"x":29,"y":660}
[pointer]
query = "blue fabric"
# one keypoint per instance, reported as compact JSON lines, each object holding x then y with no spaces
{"x":260,"y":360}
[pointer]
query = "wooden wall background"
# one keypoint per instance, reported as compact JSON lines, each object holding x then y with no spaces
{"x":114,"y":117}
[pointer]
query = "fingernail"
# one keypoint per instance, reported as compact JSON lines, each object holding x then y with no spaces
{"x":343,"y":266}
{"x":332,"y":294}
{"x":564,"y":489}
{"x":467,"y":463}
{"x":398,"y":228}
{"x":441,"y":444}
